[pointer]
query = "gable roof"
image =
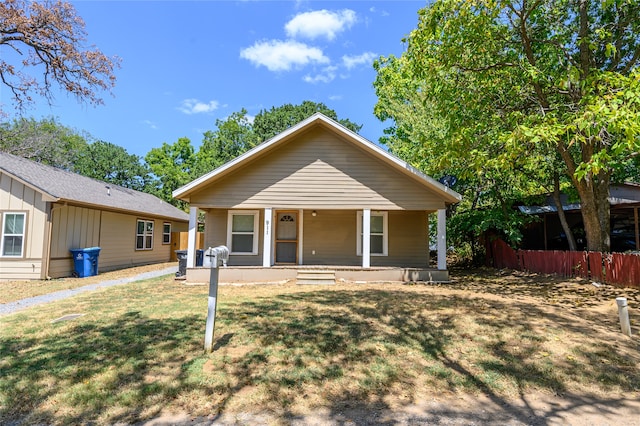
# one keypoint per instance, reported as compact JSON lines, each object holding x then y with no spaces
{"x":57,"y":185}
{"x":448,"y":195}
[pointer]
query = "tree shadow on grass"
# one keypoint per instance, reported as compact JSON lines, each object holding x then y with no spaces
{"x":334,"y":334}
{"x":95,"y":367}
{"x":345,"y":351}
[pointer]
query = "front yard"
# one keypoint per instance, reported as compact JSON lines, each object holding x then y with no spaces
{"x":137,"y":350}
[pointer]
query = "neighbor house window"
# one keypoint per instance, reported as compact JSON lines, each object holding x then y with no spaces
{"x":144,"y":235}
{"x":242,"y":232}
{"x":379,"y":234}
{"x":13,"y":234}
{"x":166,"y":233}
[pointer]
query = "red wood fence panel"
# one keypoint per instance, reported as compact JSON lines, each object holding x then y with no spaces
{"x":622,"y":269}
{"x":579,"y":263}
{"x":616,"y":268}
{"x":595,"y":266}
{"x":503,"y":255}
{"x":564,"y":263}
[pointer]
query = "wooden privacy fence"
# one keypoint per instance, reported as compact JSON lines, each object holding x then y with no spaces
{"x":611,"y":268}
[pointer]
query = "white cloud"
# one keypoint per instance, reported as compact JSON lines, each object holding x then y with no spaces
{"x":151,"y":124}
{"x":382,"y":12}
{"x":327,"y":75}
{"x":335,"y":97}
{"x":353,"y":61}
{"x":320,"y":23}
{"x":194,"y":106}
{"x":278,"y":55}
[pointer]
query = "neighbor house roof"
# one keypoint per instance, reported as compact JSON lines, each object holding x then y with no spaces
{"x":59,"y":185}
{"x":621,"y":195}
{"x":449,"y":195}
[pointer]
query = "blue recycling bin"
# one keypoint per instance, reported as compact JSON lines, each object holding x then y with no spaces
{"x":199,"y":257}
{"x":85,"y":261}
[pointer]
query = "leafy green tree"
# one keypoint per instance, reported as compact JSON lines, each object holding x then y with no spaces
{"x":269,"y":123}
{"x":510,"y":85}
{"x":112,"y":163}
{"x":232,"y":137}
{"x":172,"y":166}
{"x":45,"y":141}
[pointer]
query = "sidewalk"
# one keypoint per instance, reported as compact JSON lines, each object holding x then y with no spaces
{"x":18,"y":305}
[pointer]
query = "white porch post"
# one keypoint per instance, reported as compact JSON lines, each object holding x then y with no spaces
{"x":191,"y":240}
{"x":442,"y":239}
{"x":266,"y":238}
{"x":366,"y":238}
{"x":300,"y":236}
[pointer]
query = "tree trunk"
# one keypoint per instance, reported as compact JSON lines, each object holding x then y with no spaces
{"x":594,"y":199}
{"x":563,"y":218}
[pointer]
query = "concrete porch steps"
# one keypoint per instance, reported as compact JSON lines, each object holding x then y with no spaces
{"x":315,"y":276}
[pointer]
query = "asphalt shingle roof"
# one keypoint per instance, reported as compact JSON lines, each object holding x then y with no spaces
{"x":72,"y":187}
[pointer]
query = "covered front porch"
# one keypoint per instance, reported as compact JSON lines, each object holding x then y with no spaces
{"x":274,"y":245}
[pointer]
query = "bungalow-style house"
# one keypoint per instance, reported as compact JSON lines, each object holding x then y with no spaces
{"x":547,"y":233}
{"x":315,"y":199}
{"x":45,"y":211}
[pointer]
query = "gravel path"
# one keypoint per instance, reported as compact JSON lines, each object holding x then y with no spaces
{"x":9,"y":308}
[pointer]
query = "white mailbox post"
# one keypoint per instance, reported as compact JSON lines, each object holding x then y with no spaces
{"x":213,"y":258}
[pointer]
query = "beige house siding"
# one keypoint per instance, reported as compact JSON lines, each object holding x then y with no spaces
{"x":408,"y":240}
{"x":216,"y":234}
{"x":17,"y":197}
{"x":118,"y":242}
{"x":329,"y":238}
{"x":332,"y":235}
{"x":318,"y":170}
{"x":114,"y":233}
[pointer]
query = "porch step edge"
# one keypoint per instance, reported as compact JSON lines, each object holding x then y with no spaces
{"x":315,"y":281}
{"x":316,"y":275}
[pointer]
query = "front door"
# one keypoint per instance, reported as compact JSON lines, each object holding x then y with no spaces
{"x":287,"y":237}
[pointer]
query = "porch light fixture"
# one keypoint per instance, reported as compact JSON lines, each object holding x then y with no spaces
{"x":314,"y":213}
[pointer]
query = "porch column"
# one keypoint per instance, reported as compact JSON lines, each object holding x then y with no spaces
{"x":442,"y":239}
{"x":266,"y":238}
{"x":191,"y":240}
{"x":366,"y":238}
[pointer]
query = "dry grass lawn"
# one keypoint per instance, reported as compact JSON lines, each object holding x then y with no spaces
{"x":10,"y":291}
{"x":285,"y":349}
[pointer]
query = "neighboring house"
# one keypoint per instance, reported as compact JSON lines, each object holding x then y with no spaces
{"x":319,"y":195}
{"x":547,"y":233}
{"x":45,"y":211}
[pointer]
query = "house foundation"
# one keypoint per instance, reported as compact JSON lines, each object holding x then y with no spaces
{"x":253,"y":274}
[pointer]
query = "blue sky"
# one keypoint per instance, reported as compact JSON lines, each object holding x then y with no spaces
{"x":186,"y":64}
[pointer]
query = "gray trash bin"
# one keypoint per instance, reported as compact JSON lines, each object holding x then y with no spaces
{"x":182,"y":263}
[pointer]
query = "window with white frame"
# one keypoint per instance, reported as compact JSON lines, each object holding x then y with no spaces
{"x":166,"y":233}
{"x":144,"y":235}
{"x":242,"y":232}
{"x":13,"y":230}
{"x":379,"y":235}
